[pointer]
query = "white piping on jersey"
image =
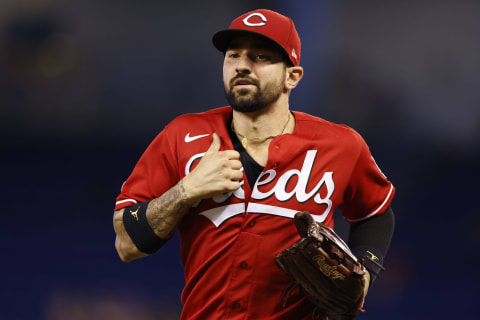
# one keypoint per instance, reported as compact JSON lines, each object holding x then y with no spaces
{"x":376,"y":210}
{"x":219,"y":215}
{"x":126,"y":200}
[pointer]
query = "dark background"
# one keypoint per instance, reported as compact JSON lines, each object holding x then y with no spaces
{"x":85,"y":86}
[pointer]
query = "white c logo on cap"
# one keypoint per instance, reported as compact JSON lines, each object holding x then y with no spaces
{"x":259,"y":24}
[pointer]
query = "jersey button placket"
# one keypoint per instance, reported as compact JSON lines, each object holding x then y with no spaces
{"x":241,"y":282}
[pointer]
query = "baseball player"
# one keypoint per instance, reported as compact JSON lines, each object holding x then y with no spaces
{"x":231,"y":179}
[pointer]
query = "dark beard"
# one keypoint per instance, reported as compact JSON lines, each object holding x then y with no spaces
{"x":258,"y":101}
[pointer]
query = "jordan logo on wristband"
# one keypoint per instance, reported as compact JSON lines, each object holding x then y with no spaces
{"x":372,"y":256}
{"x":134,"y":214}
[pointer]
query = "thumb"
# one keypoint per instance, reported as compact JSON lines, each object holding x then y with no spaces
{"x":215,"y":146}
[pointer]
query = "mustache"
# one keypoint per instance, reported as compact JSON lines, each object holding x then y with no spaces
{"x":243,"y":77}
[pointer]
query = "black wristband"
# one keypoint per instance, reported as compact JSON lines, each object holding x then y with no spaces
{"x":372,"y":258}
{"x":137,"y":227}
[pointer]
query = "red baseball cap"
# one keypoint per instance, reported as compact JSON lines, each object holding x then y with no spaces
{"x":267,"y":24}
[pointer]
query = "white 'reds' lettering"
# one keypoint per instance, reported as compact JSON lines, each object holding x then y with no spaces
{"x":300,"y":191}
{"x":279,"y":190}
{"x":327,"y":179}
{"x":256,"y":194}
{"x":188,"y":167}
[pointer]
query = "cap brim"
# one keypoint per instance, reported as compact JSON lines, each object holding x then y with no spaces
{"x":221,"y":39}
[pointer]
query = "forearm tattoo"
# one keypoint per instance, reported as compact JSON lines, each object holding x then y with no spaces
{"x":165,"y":212}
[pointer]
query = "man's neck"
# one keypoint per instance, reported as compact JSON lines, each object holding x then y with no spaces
{"x":269,"y":121}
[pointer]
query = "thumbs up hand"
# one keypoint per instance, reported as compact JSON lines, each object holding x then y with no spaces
{"x":217,"y":172}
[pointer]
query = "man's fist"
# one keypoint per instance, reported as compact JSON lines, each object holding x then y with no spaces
{"x":217,"y":172}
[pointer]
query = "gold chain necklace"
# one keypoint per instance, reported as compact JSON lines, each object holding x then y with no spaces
{"x":260,"y":140}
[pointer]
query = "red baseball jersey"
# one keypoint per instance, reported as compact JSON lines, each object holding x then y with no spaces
{"x":228,"y":242}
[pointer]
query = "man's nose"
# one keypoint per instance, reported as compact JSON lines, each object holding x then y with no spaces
{"x":243,"y":64}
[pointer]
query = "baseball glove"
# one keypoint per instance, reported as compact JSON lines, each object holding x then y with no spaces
{"x":323,"y":266}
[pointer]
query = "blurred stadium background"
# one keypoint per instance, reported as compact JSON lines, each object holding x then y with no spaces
{"x":86,"y":85}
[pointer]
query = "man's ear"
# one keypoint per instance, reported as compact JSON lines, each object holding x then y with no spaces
{"x":293,"y":77}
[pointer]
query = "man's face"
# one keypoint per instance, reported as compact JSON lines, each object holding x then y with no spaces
{"x":253,"y":74}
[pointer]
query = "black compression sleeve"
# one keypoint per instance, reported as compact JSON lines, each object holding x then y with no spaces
{"x":372,"y":237}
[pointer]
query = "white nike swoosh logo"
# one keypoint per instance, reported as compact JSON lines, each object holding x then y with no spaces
{"x":193,"y":138}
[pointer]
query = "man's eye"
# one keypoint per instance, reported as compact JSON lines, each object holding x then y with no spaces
{"x":233,"y":55}
{"x":261,"y":57}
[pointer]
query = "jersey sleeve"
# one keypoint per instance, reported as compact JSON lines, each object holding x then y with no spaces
{"x":369,"y":192}
{"x":155,"y":173}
